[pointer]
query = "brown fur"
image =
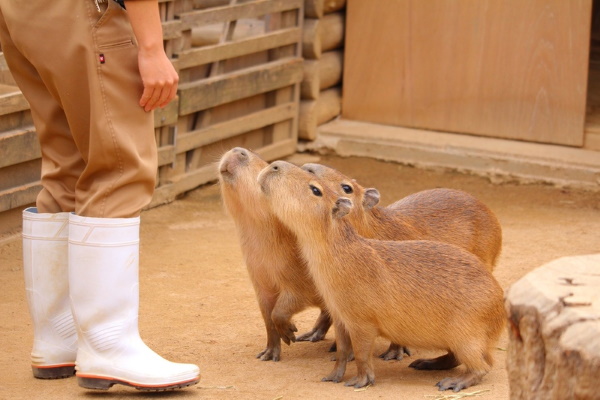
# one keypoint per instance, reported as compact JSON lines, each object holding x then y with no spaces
{"x":421,"y":293}
{"x":445,"y":215}
{"x":278,"y":273}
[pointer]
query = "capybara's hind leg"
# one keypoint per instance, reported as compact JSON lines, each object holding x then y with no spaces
{"x":318,"y":331}
{"x":447,"y":361}
{"x":477,"y":363}
{"x":395,"y":352}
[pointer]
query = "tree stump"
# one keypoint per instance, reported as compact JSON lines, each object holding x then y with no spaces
{"x":554,"y":331}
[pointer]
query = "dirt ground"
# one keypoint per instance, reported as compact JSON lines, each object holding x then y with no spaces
{"x":197,"y":303}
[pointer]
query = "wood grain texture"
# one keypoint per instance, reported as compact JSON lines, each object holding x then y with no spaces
{"x":508,"y":69}
{"x":554,"y":330}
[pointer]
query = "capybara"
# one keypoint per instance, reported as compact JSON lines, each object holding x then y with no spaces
{"x":278,"y":273}
{"x":445,"y":215}
{"x":424,"y":294}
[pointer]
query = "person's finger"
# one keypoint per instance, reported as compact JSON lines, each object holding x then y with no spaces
{"x":164,"y":96}
{"x":153,"y":101}
{"x":171,"y":95}
{"x":146,"y":95}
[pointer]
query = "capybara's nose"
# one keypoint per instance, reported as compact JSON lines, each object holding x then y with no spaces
{"x":241,"y":151}
{"x":277,"y":166}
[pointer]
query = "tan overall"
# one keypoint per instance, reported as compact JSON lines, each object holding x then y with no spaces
{"x":76,"y":63}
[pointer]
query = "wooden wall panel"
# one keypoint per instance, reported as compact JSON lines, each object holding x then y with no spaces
{"x":509,"y":69}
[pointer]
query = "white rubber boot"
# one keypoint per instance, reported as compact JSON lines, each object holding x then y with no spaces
{"x":104,"y":281}
{"x":45,"y":263}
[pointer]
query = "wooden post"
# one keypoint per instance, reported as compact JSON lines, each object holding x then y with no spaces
{"x":554,"y":331}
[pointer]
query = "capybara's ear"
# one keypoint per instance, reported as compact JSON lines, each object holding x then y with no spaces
{"x":371,"y":198}
{"x":342,"y":207}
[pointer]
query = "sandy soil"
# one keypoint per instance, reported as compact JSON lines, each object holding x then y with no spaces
{"x":197,"y":303}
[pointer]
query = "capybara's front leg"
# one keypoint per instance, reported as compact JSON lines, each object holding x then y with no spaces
{"x":266,"y":302}
{"x":286,"y":306}
{"x":343,"y":349}
{"x":318,"y":331}
{"x":362,"y":343}
{"x":395,"y":352}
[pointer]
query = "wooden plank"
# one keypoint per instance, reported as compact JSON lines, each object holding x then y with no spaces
{"x":166,"y":155}
{"x":20,"y":196}
{"x":18,"y":146}
{"x":12,"y":100}
{"x":189,"y":181}
{"x":171,"y":29}
{"x":167,"y":115}
{"x":224,"y":130}
{"x":277,"y":150}
{"x":508,"y":69}
{"x":229,"y":13}
{"x":196,"y":96}
{"x":207,"y":54}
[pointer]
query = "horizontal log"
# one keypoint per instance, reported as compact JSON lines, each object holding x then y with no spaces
{"x":316,"y":112}
{"x":332,"y":31}
{"x":319,"y":8}
{"x":311,"y":38}
{"x":210,"y":92}
{"x":253,"y":9}
{"x":324,"y":34}
{"x":207,"y":54}
{"x":321,"y":74}
{"x":313,"y":8}
{"x":237,"y":126}
{"x":18,"y":146}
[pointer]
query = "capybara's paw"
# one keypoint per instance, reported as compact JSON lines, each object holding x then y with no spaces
{"x":313,"y":336}
{"x":335,"y":376}
{"x":395,"y":352}
{"x":454,"y":384}
{"x":287,"y":333}
{"x":361,"y":381}
{"x":270,"y":353}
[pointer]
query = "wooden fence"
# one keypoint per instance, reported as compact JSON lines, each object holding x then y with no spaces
{"x":240,"y":67}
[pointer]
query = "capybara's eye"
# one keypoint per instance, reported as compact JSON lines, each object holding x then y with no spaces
{"x":316,"y":191}
{"x":347,"y":188}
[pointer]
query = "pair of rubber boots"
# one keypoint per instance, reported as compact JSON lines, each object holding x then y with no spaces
{"x":81,"y":276}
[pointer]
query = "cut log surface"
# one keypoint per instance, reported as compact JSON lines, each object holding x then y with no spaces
{"x":554,"y":331}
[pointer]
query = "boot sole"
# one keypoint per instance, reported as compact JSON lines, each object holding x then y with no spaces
{"x":53,"y":372}
{"x":106,"y":383}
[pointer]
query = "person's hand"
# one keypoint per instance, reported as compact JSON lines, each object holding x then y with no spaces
{"x":159,"y":78}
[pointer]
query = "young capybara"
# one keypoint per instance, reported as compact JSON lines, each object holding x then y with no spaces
{"x":420,"y":293}
{"x":445,"y":215}
{"x":278,"y":273}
